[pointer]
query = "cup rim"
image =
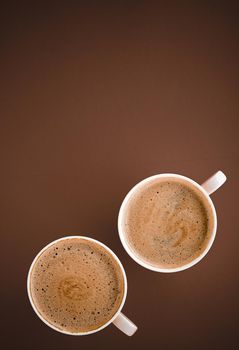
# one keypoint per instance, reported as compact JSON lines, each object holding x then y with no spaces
{"x":121,"y":217}
{"x":105,"y":324}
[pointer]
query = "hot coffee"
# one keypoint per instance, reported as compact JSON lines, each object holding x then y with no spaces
{"x":76,"y":285}
{"x":167,"y":223}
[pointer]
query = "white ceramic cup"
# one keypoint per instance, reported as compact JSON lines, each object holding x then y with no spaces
{"x":206,"y":189}
{"x":119,"y":319}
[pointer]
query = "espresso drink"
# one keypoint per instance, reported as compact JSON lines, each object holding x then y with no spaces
{"x":76,"y":285}
{"x":167,"y":223}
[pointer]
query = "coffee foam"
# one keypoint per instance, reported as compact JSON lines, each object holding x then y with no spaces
{"x":167,"y":223}
{"x":76,"y":285}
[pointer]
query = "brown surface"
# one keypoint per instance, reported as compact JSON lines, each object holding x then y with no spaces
{"x":95,"y":98}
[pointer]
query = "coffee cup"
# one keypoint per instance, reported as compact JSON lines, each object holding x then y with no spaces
{"x":66,"y":283}
{"x":163,"y":214}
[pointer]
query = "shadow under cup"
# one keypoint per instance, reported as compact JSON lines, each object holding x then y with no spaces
{"x":141,"y":198}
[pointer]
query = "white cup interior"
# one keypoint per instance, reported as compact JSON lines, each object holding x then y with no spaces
{"x":123,"y":210}
{"x":78,"y":333}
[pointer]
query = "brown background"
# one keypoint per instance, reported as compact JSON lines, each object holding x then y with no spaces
{"x":95,"y":97}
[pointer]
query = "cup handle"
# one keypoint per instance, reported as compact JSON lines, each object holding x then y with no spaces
{"x":214,"y":182}
{"x":125,"y":325}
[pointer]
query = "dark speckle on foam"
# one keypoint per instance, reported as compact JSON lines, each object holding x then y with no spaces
{"x":80,"y":279}
{"x":167,"y":223}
